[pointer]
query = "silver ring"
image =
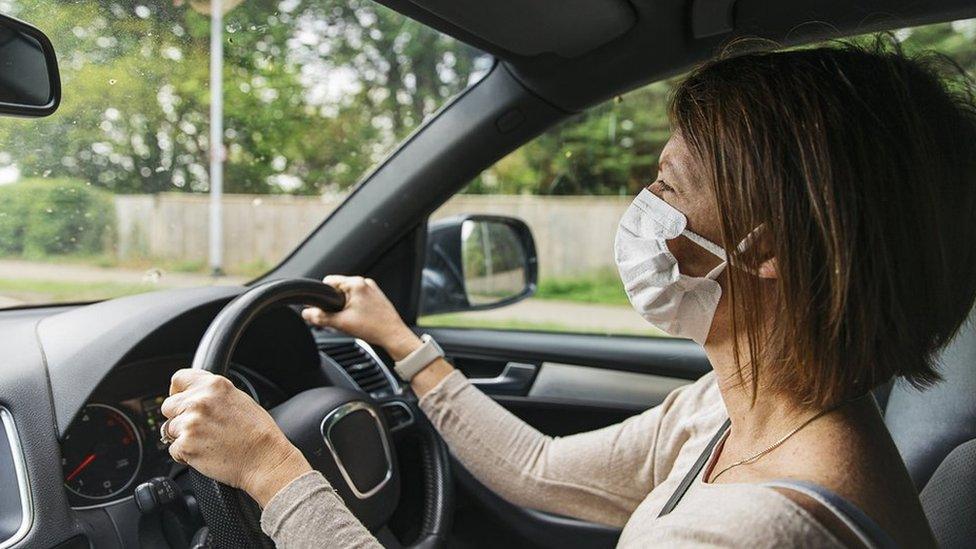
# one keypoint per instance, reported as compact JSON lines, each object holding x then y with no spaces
{"x":164,"y":435}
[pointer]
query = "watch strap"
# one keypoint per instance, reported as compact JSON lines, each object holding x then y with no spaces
{"x":419,"y":359}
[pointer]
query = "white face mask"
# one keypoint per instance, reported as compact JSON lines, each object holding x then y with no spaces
{"x":679,"y":304}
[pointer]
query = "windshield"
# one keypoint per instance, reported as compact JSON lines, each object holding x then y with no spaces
{"x":121,"y":192}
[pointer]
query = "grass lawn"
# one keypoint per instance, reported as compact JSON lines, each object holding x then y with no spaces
{"x":49,"y":291}
{"x":603,"y":287}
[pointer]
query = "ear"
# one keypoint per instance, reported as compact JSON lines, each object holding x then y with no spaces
{"x":769,"y":268}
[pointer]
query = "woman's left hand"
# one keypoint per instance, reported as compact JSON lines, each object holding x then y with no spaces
{"x":221,"y":432}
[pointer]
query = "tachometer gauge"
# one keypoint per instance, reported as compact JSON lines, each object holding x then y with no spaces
{"x":101,"y":452}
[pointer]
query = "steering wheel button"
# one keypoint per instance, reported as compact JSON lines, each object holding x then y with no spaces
{"x":355,"y":437}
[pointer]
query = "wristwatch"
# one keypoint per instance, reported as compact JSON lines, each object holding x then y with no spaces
{"x":419,"y":359}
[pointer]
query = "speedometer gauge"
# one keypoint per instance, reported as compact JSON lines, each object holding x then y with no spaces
{"x":101,"y":452}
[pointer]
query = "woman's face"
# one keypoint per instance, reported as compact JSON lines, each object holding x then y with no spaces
{"x":680,"y":182}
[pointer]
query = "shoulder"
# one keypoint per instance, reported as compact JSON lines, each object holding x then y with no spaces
{"x":683,"y":424}
{"x":734,"y":515}
{"x":701,"y":395}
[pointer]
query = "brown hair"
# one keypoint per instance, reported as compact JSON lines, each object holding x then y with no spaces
{"x":859,"y":164}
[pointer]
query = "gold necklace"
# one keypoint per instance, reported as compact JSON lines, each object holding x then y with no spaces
{"x":776,"y":444}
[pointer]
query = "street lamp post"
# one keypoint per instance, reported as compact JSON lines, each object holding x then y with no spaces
{"x":216,"y":10}
{"x":216,"y":137}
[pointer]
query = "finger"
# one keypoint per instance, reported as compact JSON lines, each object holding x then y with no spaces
{"x":184,"y":378}
{"x":164,"y":435}
{"x":371,"y":283}
{"x":175,"y":426}
{"x":174,"y":405}
{"x":345,"y":283}
{"x":176,"y":451}
{"x":316,"y":316}
{"x":339,"y":282}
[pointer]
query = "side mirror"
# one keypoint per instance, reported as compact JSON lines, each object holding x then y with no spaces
{"x":477,"y":262}
{"x":29,"y":81}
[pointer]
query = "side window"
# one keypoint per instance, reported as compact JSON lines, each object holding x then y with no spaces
{"x":570,"y":186}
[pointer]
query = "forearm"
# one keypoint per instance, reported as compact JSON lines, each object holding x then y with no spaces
{"x":573,"y":476}
{"x":569,"y":476}
{"x":307,"y":513}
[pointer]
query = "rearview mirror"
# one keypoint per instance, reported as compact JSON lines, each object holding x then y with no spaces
{"x":477,"y":262}
{"x":29,"y":82}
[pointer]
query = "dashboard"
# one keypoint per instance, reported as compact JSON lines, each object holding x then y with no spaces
{"x":113,"y":444}
{"x":80,"y":390}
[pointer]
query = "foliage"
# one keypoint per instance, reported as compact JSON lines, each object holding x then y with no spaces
{"x":314,"y":93}
{"x":40,"y":217}
{"x":613,"y":148}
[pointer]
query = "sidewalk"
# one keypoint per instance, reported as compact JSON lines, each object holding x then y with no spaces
{"x":29,"y":282}
{"x":25,"y":282}
{"x":583,"y":317}
{"x":68,"y":272}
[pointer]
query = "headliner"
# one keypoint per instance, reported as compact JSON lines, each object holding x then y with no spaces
{"x":658,"y":39}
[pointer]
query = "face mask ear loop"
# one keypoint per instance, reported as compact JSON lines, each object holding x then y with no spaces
{"x":746,"y":242}
{"x":713,"y":274}
{"x":709,"y":246}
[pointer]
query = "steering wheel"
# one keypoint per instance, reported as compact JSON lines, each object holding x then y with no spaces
{"x":341,"y":431}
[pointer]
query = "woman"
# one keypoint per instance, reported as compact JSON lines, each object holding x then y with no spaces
{"x":811,"y":225}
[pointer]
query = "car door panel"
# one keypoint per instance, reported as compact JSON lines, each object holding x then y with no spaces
{"x":589,"y":385}
{"x":560,"y":384}
{"x":678,"y":358}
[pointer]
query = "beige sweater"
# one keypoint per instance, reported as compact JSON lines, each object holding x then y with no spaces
{"x":620,"y":475}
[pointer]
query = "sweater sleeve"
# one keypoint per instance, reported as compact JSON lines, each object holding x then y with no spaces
{"x":599,"y":476}
{"x":308,"y":513}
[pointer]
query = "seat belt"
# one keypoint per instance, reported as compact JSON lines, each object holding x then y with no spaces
{"x":679,"y":492}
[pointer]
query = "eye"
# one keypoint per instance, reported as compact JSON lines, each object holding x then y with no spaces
{"x":663,"y":186}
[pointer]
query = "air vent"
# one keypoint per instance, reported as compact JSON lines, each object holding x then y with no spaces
{"x":397,"y":414}
{"x":362,"y":365}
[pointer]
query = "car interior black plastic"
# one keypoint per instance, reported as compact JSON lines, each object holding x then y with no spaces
{"x":566,"y":28}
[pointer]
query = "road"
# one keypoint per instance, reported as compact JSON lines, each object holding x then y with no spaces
{"x":582,"y":317}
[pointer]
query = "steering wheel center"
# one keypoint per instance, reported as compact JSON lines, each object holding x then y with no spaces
{"x":344,"y":437}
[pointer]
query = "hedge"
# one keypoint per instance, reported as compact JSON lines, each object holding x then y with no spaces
{"x":42,"y":217}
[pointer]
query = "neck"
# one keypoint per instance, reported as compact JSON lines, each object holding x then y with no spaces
{"x":761,"y":419}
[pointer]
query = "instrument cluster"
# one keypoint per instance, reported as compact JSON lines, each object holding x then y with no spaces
{"x":113,"y":443}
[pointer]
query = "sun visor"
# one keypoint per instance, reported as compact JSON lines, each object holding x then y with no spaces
{"x":567,"y":28}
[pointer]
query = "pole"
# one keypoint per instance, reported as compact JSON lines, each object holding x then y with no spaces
{"x":216,"y":137}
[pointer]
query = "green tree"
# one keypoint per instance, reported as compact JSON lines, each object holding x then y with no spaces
{"x":315,"y":93}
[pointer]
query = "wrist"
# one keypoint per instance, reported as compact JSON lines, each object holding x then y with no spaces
{"x":402,"y":344}
{"x":430,"y":377}
{"x":266,"y":482}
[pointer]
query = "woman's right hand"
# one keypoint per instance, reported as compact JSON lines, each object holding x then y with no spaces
{"x":368,"y":315}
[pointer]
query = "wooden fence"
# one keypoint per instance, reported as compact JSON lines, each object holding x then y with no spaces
{"x":574,"y":234}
